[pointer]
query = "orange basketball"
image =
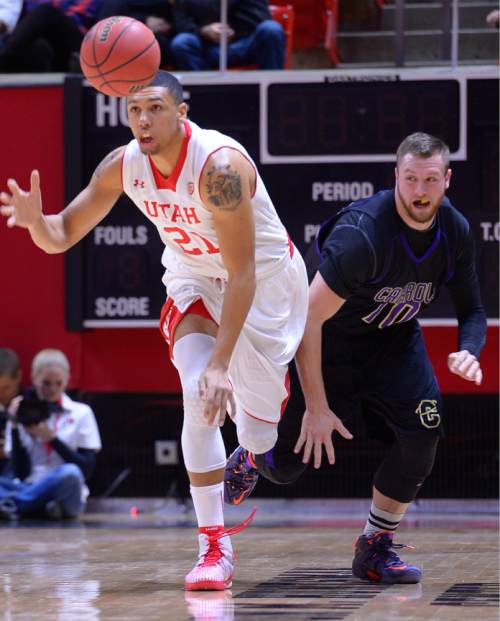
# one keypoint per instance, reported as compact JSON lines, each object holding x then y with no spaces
{"x":119,"y":56}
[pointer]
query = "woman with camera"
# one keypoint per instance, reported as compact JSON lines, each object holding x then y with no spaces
{"x":51,"y":441}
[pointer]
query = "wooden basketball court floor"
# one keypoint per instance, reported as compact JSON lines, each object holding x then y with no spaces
{"x":294,"y":565}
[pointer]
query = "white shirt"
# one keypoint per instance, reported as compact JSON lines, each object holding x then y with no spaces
{"x":184,"y":223}
{"x":10,"y":10}
{"x":76,"y":426}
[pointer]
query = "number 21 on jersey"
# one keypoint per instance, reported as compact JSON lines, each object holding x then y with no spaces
{"x":190,"y":242}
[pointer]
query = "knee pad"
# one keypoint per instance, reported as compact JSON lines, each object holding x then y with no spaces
{"x":407,"y":465}
{"x":192,"y":404}
{"x":191,"y":355}
{"x":255,"y":435}
{"x":202,"y":444}
{"x":203,"y":448}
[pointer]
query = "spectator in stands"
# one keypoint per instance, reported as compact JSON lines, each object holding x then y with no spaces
{"x":48,"y":36}
{"x":156,"y":14}
{"x":253,"y":37}
{"x":52,"y":450}
{"x":10,"y":11}
{"x":10,"y":381}
{"x":493,"y":18}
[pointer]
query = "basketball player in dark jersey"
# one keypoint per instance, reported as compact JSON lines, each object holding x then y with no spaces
{"x":377,"y":264}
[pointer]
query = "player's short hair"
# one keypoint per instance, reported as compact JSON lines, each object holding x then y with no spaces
{"x":9,"y":362}
{"x":47,"y":357}
{"x":169,"y":81}
{"x":424,"y":145}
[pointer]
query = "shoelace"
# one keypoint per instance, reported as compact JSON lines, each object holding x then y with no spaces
{"x":385,"y":545}
{"x":234,"y":530}
{"x":213,"y":554}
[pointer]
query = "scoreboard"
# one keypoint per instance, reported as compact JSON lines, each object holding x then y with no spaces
{"x":320,"y":139}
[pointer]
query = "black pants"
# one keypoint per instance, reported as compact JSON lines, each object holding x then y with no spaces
{"x":43,"y":40}
{"x":387,"y":379}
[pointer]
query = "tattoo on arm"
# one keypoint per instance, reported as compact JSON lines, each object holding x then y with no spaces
{"x":110,"y":157}
{"x":224,"y":187}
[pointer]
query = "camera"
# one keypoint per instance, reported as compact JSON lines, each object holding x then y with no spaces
{"x":32,"y":410}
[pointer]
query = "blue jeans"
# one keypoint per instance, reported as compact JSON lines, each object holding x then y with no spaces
{"x":64,"y":484}
{"x":265,"y":47}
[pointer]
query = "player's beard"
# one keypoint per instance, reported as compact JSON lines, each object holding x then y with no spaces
{"x":424,"y":216}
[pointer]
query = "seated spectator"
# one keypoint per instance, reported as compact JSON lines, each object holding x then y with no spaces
{"x":493,"y":18}
{"x":10,"y":381}
{"x":156,"y":14}
{"x":52,"y":441}
{"x":10,"y":11}
{"x":253,"y":37}
{"x":48,"y":36}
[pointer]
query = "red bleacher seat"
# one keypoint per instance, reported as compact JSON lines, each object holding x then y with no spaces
{"x":331,"y":29}
{"x":285,"y":15}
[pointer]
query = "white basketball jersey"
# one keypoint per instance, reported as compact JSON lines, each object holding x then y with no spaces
{"x":185,"y":225}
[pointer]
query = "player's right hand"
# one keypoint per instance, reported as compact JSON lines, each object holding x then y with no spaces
{"x":19,"y":207}
{"x":216,"y":393}
{"x":316,"y":432}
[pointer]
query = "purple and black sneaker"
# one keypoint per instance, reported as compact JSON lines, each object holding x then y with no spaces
{"x":376,"y":561}
{"x":240,"y":477}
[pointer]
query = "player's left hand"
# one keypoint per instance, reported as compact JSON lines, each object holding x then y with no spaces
{"x":466,"y":365}
{"x":316,"y":432}
{"x":216,"y":391}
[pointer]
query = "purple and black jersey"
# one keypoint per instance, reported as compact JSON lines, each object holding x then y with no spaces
{"x":388,"y":273}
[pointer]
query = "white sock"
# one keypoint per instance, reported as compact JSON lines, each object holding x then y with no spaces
{"x":209,"y":504}
{"x":381,"y":520}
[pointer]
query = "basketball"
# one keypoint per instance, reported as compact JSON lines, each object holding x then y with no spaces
{"x":119,"y":56}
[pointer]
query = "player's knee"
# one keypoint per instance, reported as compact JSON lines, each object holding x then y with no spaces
{"x":418,"y":453}
{"x":409,"y":463}
{"x":192,"y":403}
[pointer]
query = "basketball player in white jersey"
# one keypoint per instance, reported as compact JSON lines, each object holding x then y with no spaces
{"x":236,"y":286}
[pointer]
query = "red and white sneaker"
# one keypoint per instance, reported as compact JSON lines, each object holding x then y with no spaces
{"x":215,"y":567}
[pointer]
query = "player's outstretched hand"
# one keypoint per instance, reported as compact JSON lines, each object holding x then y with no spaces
{"x":466,"y":365}
{"x":216,"y":392}
{"x":19,"y":207}
{"x":316,"y":432}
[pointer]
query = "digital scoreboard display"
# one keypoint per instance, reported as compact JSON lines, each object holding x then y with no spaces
{"x":359,"y":118}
